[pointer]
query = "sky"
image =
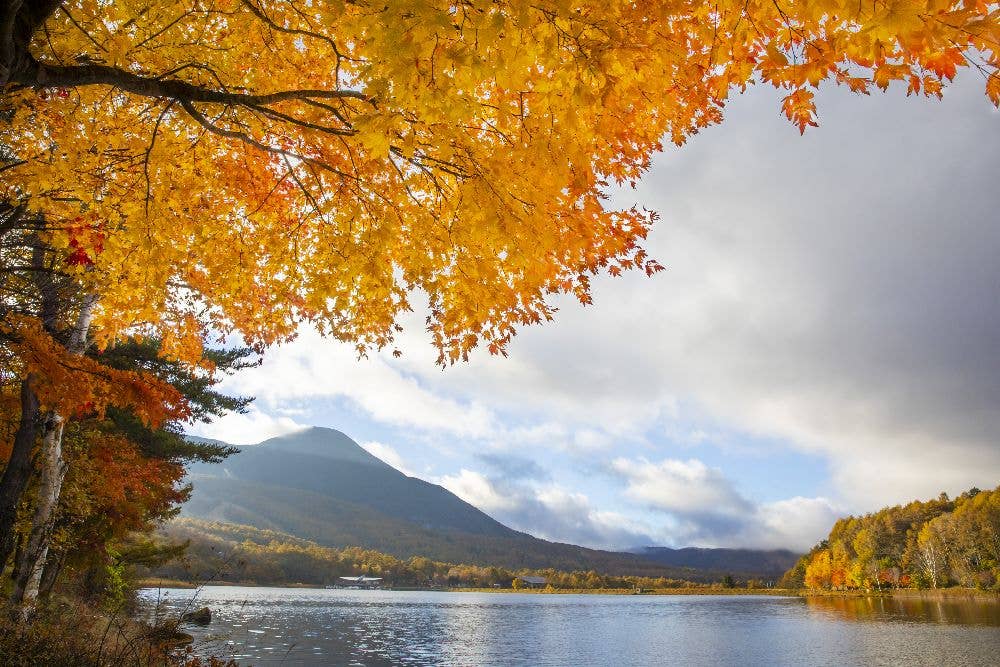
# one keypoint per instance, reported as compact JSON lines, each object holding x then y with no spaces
{"x":825,"y":340}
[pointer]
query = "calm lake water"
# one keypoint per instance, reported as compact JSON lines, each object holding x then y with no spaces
{"x":341,"y":627}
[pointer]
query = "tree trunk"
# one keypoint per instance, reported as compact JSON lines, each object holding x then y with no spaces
{"x":18,"y":471}
{"x":53,"y":471}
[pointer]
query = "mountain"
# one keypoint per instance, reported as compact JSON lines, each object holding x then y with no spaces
{"x":319,"y":485}
{"x":737,"y":561}
{"x":311,"y":468}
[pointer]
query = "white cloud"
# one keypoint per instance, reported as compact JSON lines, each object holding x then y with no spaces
{"x":681,"y":487}
{"x":708,"y":511}
{"x":794,"y":523}
{"x":389,"y":455}
{"x":248,"y":429}
{"x":311,"y":368}
{"x":476,"y":489}
{"x":549,"y":511}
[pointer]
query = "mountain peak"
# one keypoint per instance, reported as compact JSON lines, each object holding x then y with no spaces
{"x":328,"y":443}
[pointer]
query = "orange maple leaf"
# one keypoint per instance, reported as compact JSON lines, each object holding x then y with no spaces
{"x":800,"y":109}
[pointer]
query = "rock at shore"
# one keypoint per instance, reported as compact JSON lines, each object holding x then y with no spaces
{"x":201,"y":616}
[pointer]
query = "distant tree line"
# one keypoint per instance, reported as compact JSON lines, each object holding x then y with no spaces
{"x":243,"y":554}
{"x":931,"y":544}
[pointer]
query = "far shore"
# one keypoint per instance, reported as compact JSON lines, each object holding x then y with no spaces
{"x":930,"y":594}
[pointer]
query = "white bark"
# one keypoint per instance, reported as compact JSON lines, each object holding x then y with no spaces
{"x":52,"y":474}
{"x":929,"y":560}
{"x":78,"y":337}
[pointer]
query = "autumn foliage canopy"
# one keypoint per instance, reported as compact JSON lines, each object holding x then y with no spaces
{"x":249,"y":165}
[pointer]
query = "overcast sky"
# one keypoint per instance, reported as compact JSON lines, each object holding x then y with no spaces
{"x":826,"y":339}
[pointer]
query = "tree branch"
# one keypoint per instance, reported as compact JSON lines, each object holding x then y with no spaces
{"x":247,"y":139}
{"x":69,"y":76}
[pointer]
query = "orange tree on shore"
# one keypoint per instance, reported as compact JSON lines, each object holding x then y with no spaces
{"x":248,"y":165}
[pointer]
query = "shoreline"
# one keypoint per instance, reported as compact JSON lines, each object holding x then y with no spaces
{"x":927,"y":594}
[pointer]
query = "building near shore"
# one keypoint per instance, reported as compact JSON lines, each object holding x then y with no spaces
{"x":359,"y":582}
{"x":533,"y":582}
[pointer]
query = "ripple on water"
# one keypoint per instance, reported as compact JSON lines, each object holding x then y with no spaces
{"x":323,"y":627}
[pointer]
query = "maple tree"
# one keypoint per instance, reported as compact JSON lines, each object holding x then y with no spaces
{"x":61,"y":386}
{"x":111,"y":491}
{"x":246,"y":165}
{"x":250,"y":164}
{"x":124,"y":455}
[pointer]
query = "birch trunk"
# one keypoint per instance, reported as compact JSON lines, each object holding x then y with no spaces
{"x":929,"y":557}
{"x":52,"y":474}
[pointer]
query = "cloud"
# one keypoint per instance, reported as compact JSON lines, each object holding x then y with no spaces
{"x":688,"y":488}
{"x":794,"y":523}
{"x":514,"y":468}
{"x":478,"y":490}
{"x":389,"y":455}
{"x":247,"y":429}
{"x":706,"y":509}
{"x":549,"y":512}
{"x":311,"y":368}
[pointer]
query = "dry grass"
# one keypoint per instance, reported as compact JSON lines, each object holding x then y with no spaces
{"x":70,"y":634}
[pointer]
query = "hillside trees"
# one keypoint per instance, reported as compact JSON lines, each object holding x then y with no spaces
{"x":242,"y":553}
{"x":926,"y":544}
{"x":246,"y":166}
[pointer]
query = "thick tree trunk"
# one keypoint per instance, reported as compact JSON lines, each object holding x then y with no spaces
{"x":19,"y":21}
{"x":18,"y":471}
{"x":53,"y":471}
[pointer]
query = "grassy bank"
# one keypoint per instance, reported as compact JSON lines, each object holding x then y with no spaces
{"x":68,"y":633}
{"x":929,"y":594}
{"x":156,"y":582}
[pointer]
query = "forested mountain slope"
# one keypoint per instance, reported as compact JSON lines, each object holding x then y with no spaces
{"x":320,"y":485}
{"x":774,"y":562}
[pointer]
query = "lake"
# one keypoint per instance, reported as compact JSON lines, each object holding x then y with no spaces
{"x":351,"y":627}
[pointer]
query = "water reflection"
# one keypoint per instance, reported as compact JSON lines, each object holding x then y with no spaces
{"x":327,"y":627}
{"x":910,"y":609}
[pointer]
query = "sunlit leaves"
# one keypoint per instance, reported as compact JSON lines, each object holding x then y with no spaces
{"x":800,"y":109}
{"x":76,"y":385}
{"x":455,"y":149}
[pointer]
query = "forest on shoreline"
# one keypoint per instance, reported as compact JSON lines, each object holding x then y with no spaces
{"x":920,"y":545}
{"x":219,"y":552}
